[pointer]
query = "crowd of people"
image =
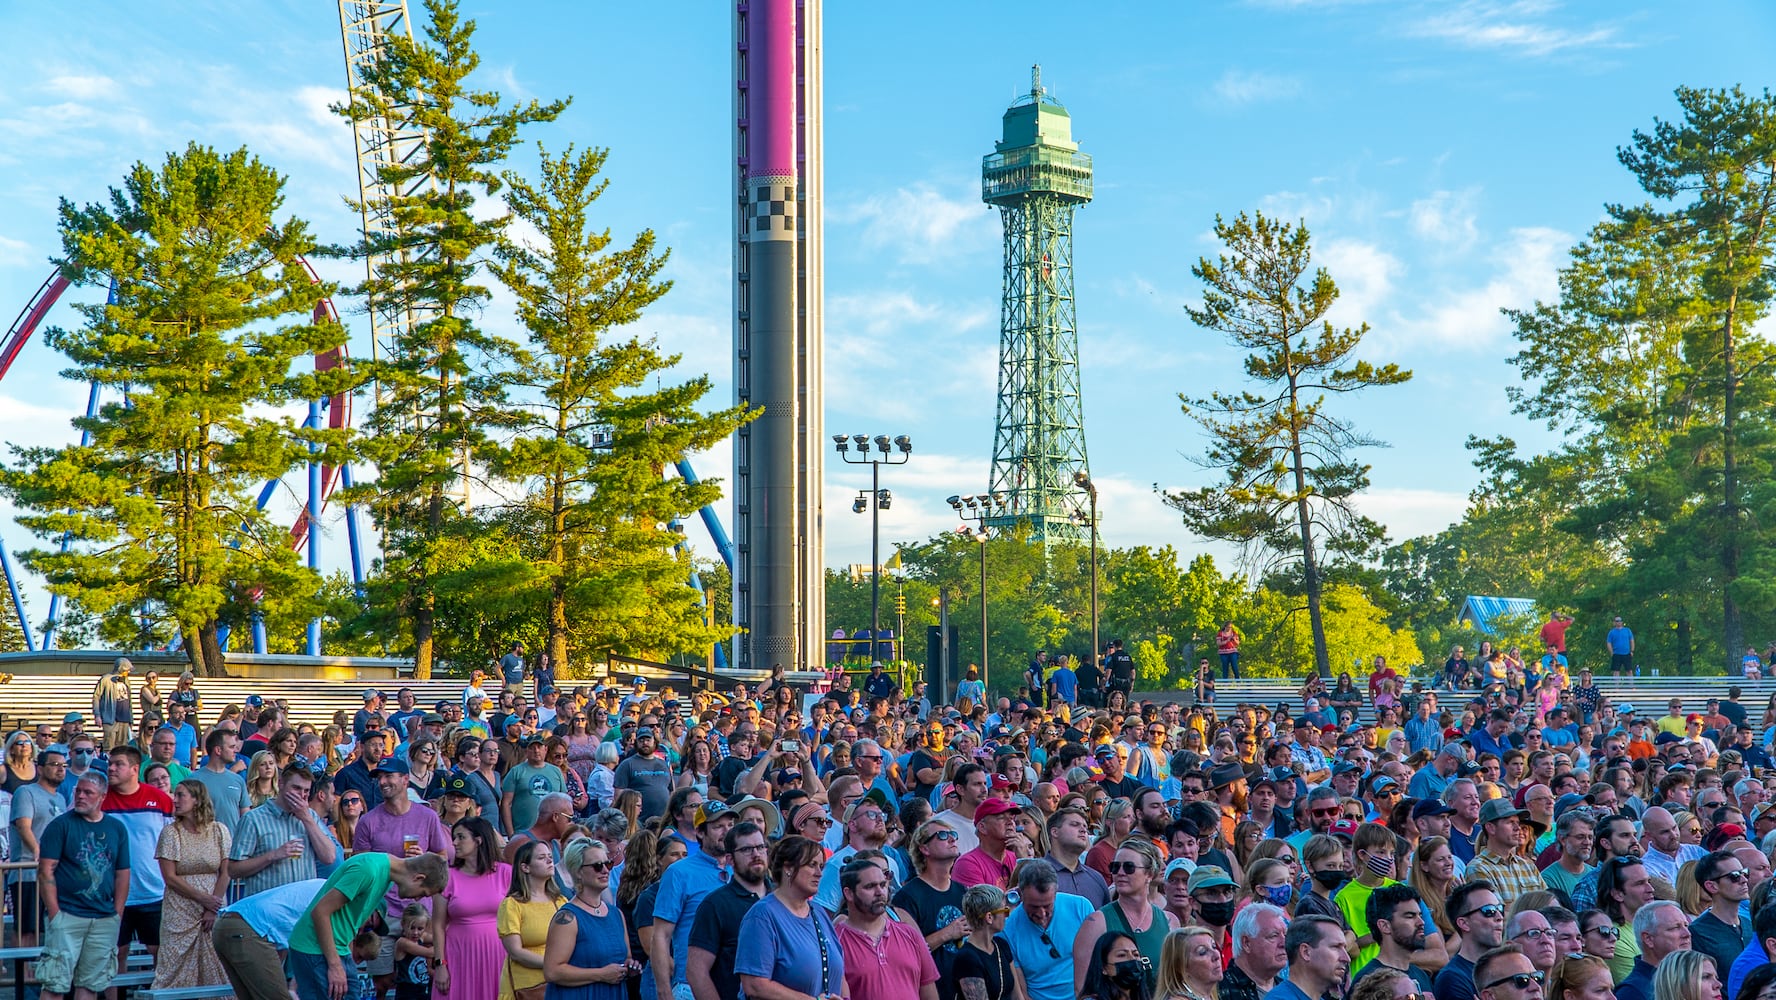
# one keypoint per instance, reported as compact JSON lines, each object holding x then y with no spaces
{"x":862,"y":839}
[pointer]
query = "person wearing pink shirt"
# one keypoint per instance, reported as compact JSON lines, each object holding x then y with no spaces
{"x":990,"y":863}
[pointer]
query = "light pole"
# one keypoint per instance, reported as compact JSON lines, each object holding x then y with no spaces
{"x":875,"y":501}
{"x":981,"y":509}
{"x":1083,"y":481}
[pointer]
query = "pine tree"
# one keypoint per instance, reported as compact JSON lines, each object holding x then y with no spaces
{"x":1291,"y":481}
{"x":585,"y":435}
{"x":213,"y":312}
{"x":436,"y":396}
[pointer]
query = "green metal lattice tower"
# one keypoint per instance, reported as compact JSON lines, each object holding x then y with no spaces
{"x":1037,"y":176}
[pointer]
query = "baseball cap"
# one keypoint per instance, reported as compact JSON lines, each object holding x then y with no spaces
{"x":1177,"y":865}
{"x":786,"y":774}
{"x":1567,"y":801}
{"x":1497,"y":809}
{"x":432,"y":718}
{"x":1106,"y":750}
{"x":391,"y":765}
{"x":1208,"y":877}
{"x":1625,"y":709}
{"x":990,"y":807}
{"x":1430,"y":807}
{"x":1000,"y":782}
{"x":1344,"y":828}
{"x":712,"y":809}
{"x":254,"y":701}
{"x":456,"y":784}
{"x":73,"y":717}
{"x":874,"y":797}
{"x":371,"y":694}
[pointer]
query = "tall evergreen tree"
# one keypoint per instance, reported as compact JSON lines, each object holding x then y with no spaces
{"x":436,"y":396}
{"x":1291,"y":480}
{"x":1650,"y":362}
{"x":586,"y":436}
{"x":213,"y":315}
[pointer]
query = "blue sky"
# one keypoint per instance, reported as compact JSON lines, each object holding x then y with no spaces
{"x":1445,"y":155}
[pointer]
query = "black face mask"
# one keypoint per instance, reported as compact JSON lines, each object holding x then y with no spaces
{"x":1219,"y":914}
{"x":1127,"y":974}
{"x":1331,"y":878}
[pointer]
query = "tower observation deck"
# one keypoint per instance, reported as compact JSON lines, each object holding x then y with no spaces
{"x":1037,"y":176}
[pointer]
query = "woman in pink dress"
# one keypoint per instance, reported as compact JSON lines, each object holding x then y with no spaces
{"x":465,"y":917}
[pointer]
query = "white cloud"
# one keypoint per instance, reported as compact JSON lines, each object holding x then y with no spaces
{"x":14,"y":252}
{"x":1409,"y":513}
{"x":82,"y":87}
{"x":1238,"y":87}
{"x":1446,"y":217}
{"x":1311,"y":208}
{"x":1365,"y":276}
{"x":919,"y":222}
{"x":1525,"y":264}
{"x":1519,"y":26}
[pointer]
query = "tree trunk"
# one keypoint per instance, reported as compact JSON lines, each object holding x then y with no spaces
{"x":1686,"y":654}
{"x":205,"y":651}
{"x":1310,"y":565}
{"x":423,"y":618}
{"x":1732,"y":627}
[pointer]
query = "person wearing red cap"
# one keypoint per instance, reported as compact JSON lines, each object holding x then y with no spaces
{"x":991,"y":862}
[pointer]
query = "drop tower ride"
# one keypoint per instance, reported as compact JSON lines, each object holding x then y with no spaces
{"x":1037,"y":176}
{"x":779,"y":595}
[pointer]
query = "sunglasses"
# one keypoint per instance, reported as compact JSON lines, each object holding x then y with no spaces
{"x":598,"y":866}
{"x":1489,"y":910}
{"x":1739,"y":876}
{"x":1126,"y":867}
{"x":943,"y":835}
{"x":1522,"y":981}
{"x":1607,"y":931}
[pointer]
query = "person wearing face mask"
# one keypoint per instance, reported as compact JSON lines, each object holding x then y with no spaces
{"x":1328,"y":869}
{"x":1375,"y":856}
{"x":1267,"y":881}
{"x":1212,"y":892}
{"x":1396,"y":916}
{"x":1118,"y":970}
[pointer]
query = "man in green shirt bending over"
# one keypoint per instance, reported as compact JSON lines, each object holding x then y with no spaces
{"x":322,"y":938}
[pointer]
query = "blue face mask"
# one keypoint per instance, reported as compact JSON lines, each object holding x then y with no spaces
{"x":1278,"y":895}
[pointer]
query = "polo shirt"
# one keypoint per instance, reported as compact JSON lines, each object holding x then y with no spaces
{"x":1084,"y":882}
{"x":892,"y":968}
{"x":1033,"y":948}
{"x":683,"y":888}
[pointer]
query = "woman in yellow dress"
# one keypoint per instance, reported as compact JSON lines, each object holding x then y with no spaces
{"x":523,"y":921}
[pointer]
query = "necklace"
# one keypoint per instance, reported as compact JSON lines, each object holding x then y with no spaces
{"x":600,"y":910}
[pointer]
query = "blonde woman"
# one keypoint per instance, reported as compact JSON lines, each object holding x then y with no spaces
{"x":1131,"y":909}
{"x":1189,"y":965}
{"x":21,"y":762}
{"x":1686,"y":975}
{"x":1581,"y":977}
{"x":193,"y":857}
{"x":262,"y":777}
{"x":524,"y":918}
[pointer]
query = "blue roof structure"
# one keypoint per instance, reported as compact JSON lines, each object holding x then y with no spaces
{"x":1482,"y":611}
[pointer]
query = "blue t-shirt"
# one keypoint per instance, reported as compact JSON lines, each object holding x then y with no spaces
{"x":1033,"y":947}
{"x":512,"y":667}
{"x":682,"y":889}
{"x":1621,"y":640}
{"x":1066,"y":685}
{"x":88,"y":856}
{"x":185,"y":748}
{"x":778,"y":945}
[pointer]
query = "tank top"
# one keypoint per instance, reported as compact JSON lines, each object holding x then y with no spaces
{"x":1149,"y":941}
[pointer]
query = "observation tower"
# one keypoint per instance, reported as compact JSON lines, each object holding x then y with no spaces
{"x":1037,"y":176}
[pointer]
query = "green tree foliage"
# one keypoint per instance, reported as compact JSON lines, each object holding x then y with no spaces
{"x":1280,"y":642}
{"x":1166,"y":613}
{"x":1291,"y":481}
{"x":587,"y":439}
{"x":213,"y":314}
{"x":435,"y":400}
{"x":1651,"y":364}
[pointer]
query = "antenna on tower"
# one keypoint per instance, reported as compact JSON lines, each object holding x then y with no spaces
{"x":1035,"y":79}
